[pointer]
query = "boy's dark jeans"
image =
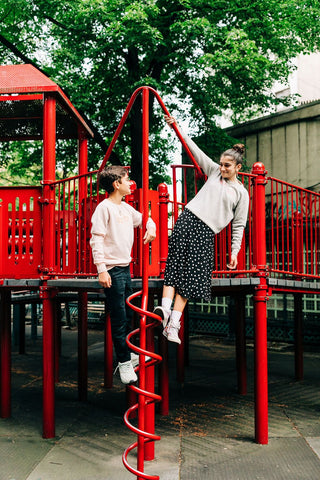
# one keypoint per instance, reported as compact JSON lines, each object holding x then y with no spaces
{"x":120,"y":314}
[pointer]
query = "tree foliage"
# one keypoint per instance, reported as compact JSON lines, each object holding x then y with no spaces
{"x":205,"y":57}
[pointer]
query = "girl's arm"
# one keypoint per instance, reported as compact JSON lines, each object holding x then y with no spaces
{"x":238,"y":224}
{"x":205,"y":162}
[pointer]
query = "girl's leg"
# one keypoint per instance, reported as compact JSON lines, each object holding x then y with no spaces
{"x":179,"y":303}
{"x":168,"y":292}
{"x":173,"y":327}
{"x":164,"y":310}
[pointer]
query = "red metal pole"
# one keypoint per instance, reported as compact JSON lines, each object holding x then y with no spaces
{"x":163,"y":225}
{"x":260,"y":304}
{"x":298,"y":302}
{"x":144,"y":302}
{"x":49,"y":169}
{"x":83,"y":346}
{"x":82,"y":151}
{"x":150,"y":409}
{"x":298,"y":336}
{"x":175,"y":200}
{"x":5,"y":352}
{"x":48,"y":362}
{"x":82,"y":196}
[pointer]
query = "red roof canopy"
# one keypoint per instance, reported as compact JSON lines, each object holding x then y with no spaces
{"x":21,"y":112}
{"x":24,"y":78}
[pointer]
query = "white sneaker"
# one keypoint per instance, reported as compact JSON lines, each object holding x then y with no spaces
{"x":173,"y":335}
{"x":135,"y":359}
{"x":171,"y":332}
{"x":127,"y":374}
{"x":163,"y":314}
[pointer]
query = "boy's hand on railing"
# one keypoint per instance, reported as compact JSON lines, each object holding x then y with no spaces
{"x":233,"y":262}
{"x":149,"y":236}
{"x":105,"y":279}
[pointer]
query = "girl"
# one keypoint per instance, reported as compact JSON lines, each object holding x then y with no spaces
{"x":190,"y":259}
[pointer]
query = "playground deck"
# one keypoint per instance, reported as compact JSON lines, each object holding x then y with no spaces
{"x":208,"y":434}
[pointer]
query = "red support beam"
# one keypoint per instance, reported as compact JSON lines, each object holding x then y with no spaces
{"x":48,"y":360}
{"x":260,"y":304}
{"x":49,"y":169}
{"x":83,"y":346}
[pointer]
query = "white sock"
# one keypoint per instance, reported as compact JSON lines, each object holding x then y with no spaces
{"x":166,"y":304}
{"x":175,"y":318}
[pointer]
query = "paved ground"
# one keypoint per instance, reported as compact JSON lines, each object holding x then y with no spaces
{"x":209,"y":433}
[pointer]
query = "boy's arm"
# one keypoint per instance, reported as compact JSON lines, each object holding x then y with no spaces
{"x":151,"y":228}
{"x":151,"y":231}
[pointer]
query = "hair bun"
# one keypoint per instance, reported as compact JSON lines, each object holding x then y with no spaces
{"x":239,"y":147}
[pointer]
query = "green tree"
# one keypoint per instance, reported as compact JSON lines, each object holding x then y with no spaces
{"x":205,"y":57}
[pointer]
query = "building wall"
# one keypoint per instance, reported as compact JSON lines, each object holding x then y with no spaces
{"x":288,"y":143}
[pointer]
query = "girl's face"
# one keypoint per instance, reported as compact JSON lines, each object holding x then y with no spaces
{"x":229,"y":169}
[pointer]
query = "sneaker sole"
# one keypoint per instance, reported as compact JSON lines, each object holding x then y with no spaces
{"x":158,"y":311}
{"x":174,"y":339}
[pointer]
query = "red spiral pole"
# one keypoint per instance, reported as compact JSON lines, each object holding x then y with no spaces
{"x":145,"y":391}
{"x":146,"y":399}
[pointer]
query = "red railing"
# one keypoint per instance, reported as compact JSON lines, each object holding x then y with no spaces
{"x":293,"y":230}
{"x":75,"y":201}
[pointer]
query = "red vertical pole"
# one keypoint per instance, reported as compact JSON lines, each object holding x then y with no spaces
{"x":82,"y":193}
{"x":57,"y":341}
{"x":83,"y":346}
{"x":260,"y":304}
{"x":5,"y":352}
{"x":49,"y":169}
{"x":150,"y":409}
{"x":108,"y":352}
{"x":82,"y":151}
{"x":298,"y":302}
{"x":144,"y":303}
{"x":48,"y":362}
{"x":163,"y":225}
{"x":298,"y":336}
{"x":175,"y":198}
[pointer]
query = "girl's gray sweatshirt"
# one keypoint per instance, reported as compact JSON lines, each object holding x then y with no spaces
{"x":219,"y":201}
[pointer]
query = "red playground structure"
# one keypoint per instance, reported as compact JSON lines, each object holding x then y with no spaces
{"x":45,"y":232}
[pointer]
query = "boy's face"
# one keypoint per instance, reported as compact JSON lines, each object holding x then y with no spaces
{"x":124,"y":185}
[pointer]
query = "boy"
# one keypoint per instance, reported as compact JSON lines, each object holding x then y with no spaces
{"x":111,"y":242}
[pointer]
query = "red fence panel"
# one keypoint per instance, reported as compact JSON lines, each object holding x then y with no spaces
{"x":293,"y":230}
{"x":21,"y":232}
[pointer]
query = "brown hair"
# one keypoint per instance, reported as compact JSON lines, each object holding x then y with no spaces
{"x":109,"y":175}
{"x":236,"y":153}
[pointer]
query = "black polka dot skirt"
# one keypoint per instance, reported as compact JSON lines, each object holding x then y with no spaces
{"x":191,"y":257}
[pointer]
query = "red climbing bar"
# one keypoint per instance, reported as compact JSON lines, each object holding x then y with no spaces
{"x":260,"y":304}
{"x":47,"y":295}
